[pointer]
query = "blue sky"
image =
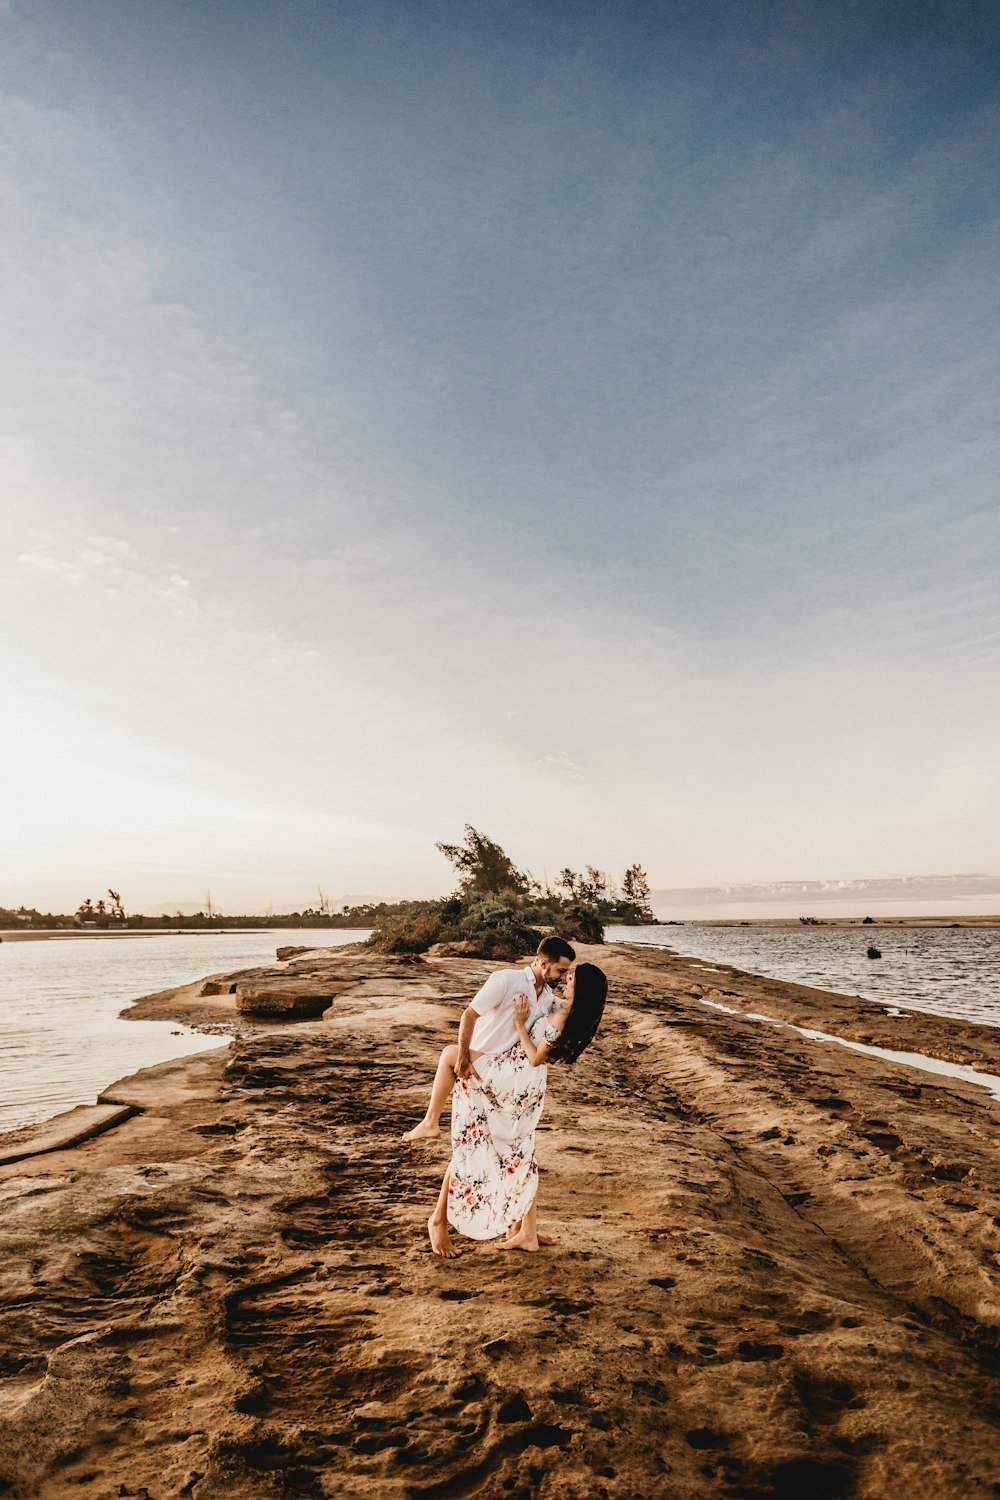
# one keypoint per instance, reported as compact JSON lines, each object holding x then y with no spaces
{"x":577,"y":420}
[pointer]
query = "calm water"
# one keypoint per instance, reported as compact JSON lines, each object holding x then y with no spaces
{"x":950,"y":971}
{"x":61,"y":1041}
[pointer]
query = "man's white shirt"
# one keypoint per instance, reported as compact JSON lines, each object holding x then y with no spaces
{"x":495,"y":1029}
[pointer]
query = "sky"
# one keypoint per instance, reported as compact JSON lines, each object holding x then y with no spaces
{"x":574,"y":420}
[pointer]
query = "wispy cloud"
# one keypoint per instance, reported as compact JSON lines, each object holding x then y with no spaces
{"x":564,"y":765}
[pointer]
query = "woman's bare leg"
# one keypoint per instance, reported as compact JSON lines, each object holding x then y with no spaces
{"x":543,"y":1239}
{"x":444,"y":1081}
{"x":517,"y":1226}
{"x":437,"y":1224}
{"x":526,"y":1237}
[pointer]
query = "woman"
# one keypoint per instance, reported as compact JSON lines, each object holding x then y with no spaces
{"x":492,"y":1179}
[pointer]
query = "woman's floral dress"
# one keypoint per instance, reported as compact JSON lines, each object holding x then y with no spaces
{"x":494,"y":1175}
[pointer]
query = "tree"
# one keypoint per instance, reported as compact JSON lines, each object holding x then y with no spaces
{"x":117,"y":910}
{"x":635,"y":890}
{"x":483,"y":867}
{"x":598,"y":886}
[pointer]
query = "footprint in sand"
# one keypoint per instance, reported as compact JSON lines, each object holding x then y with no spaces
{"x":748,"y":1351}
{"x":825,"y":1399}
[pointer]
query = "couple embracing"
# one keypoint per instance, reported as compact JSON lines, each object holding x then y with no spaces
{"x":496,"y":1073}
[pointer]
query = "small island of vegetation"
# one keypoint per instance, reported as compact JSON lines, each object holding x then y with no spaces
{"x":499,"y":911}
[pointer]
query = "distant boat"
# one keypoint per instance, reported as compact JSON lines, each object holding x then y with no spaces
{"x":874,"y":952}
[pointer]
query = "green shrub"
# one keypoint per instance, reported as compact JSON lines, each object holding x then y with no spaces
{"x":412,"y":931}
{"x":496,"y":927}
{"x":485,"y":926}
{"x":580,"y":924}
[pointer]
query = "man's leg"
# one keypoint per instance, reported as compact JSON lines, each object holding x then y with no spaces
{"x":444,"y":1081}
{"x":437,"y":1224}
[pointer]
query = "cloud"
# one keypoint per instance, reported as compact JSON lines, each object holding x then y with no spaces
{"x":51,"y":567}
{"x":564,"y":765}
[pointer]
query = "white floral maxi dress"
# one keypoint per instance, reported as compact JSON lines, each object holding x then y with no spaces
{"x":494,"y":1174}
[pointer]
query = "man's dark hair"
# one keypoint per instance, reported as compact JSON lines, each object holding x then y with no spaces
{"x":555,"y":947}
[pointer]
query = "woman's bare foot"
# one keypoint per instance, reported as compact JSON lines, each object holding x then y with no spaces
{"x":440,"y":1240}
{"x":521,"y":1241}
{"x":543,"y":1239}
{"x":425,"y":1131}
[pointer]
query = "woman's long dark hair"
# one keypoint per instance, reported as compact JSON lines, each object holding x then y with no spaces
{"x":590,"y":990}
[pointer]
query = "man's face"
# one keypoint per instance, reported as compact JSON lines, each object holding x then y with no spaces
{"x":554,"y":970}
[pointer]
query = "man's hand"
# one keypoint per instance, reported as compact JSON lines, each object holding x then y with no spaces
{"x":465,"y":1067}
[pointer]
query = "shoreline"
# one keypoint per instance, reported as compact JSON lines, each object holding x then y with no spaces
{"x":802,"y":1240}
{"x":17,"y":935}
{"x":796,"y":922}
{"x":51,"y":934}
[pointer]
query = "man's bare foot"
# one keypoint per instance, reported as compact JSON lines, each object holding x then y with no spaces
{"x":521,"y":1241}
{"x":440,"y":1240}
{"x":425,"y":1131}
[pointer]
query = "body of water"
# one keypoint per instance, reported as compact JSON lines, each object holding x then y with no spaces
{"x":949,"y":971}
{"x":61,"y":1039}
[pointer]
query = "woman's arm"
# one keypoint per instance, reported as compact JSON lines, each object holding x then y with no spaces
{"x":535,"y":1055}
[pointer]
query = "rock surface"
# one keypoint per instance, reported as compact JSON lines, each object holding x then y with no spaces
{"x":777,"y":1274}
{"x":67,"y":1129}
{"x":295,"y":1000}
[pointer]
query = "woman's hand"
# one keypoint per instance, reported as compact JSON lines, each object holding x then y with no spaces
{"x":522,"y":1007}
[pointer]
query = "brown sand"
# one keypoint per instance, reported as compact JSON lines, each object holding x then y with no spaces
{"x":777,"y":1273}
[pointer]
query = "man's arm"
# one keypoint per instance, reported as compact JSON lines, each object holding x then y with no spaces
{"x":466,"y":1026}
{"x":492,"y":994}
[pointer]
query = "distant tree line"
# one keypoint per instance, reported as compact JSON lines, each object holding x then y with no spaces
{"x":28,"y":917}
{"x":105,"y":915}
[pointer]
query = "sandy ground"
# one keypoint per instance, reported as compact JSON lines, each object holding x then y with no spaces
{"x":777,"y":1276}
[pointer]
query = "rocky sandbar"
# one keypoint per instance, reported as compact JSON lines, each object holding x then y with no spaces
{"x":777,"y":1273}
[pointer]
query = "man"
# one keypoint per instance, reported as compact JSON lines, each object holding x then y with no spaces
{"x":488,"y":1026}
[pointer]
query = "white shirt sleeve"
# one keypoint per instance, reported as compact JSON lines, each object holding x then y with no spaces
{"x":492,"y":994}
